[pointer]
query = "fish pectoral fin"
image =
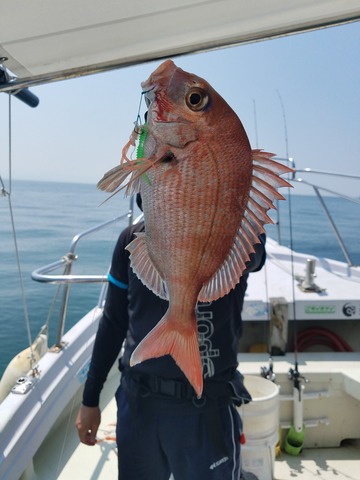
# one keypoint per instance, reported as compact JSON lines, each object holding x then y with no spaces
{"x":169,"y":337}
{"x":144,"y":268}
{"x":128,"y":174}
{"x":112,"y":179}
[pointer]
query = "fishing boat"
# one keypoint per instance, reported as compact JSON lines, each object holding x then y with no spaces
{"x":307,"y":317}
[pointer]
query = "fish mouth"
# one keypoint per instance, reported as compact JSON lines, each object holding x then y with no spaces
{"x":151,"y":104}
{"x":156,"y":112}
{"x":149,"y":96}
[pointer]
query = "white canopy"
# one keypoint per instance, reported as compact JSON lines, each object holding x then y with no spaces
{"x":45,"y":40}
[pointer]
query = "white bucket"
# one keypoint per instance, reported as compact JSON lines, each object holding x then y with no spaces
{"x":260,"y":426}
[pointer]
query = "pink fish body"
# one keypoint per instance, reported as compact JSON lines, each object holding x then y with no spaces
{"x":205,"y":195}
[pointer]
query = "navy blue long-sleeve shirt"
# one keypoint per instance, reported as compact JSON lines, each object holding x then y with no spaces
{"x":132,"y":310}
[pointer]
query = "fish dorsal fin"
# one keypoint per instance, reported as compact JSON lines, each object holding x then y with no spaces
{"x":265,"y":181}
{"x":143,"y":266}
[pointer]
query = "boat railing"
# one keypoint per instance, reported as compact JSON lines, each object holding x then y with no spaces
{"x":44,"y":274}
{"x":318,"y":189}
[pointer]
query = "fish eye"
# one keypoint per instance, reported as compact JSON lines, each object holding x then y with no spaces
{"x":196,"y":99}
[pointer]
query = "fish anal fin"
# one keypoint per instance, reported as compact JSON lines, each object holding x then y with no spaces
{"x":171,"y":337}
{"x":144,"y":268}
{"x":263,"y":191}
{"x":230,"y":272}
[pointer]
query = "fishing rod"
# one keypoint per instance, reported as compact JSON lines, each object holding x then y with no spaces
{"x":294,"y":439}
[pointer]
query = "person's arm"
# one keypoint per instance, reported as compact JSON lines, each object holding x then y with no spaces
{"x":258,"y":258}
{"x":109,"y":339}
{"x":108,"y":342}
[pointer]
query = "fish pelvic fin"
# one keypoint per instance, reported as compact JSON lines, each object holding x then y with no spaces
{"x":263,"y":191}
{"x":126,"y":175}
{"x":170,"y":337}
{"x":144,"y":268}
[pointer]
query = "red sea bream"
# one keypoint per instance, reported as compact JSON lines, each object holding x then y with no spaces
{"x":205,"y":194}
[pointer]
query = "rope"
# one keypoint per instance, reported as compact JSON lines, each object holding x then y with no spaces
{"x":17,"y":255}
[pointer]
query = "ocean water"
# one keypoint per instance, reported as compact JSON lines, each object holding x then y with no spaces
{"x":48,"y":215}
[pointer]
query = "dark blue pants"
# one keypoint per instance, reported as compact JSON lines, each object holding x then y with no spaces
{"x":156,"y":437}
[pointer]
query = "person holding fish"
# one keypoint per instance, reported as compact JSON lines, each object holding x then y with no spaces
{"x":177,"y":285}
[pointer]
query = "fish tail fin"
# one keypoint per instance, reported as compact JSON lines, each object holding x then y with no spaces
{"x":171,"y":338}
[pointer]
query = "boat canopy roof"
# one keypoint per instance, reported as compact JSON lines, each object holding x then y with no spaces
{"x":42,"y":41}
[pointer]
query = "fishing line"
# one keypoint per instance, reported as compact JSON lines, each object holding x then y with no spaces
{"x":138,"y":125}
{"x":256,"y":127}
{"x":17,"y":255}
{"x":266,"y":334}
{"x":268,"y":313}
{"x":10,"y":144}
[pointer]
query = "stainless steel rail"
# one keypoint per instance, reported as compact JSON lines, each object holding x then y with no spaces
{"x":42,"y":274}
{"x":66,"y":279}
{"x":317,"y":189}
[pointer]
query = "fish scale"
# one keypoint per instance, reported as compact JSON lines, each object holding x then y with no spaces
{"x":205,"y":195}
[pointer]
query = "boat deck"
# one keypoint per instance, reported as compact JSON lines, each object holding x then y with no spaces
{"x":100,"y":462}
{"x":331,"y":401}
{"x":74,"y":460}
{"x":338,"y":285}
{"x":322,"y":463}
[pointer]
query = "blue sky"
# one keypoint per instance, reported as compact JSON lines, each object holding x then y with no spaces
{"x":78,"y":130}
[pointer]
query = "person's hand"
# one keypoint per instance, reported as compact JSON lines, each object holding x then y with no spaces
{"x":87,"y":423}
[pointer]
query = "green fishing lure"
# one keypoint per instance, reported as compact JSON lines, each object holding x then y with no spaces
{"x":140,"y":149}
